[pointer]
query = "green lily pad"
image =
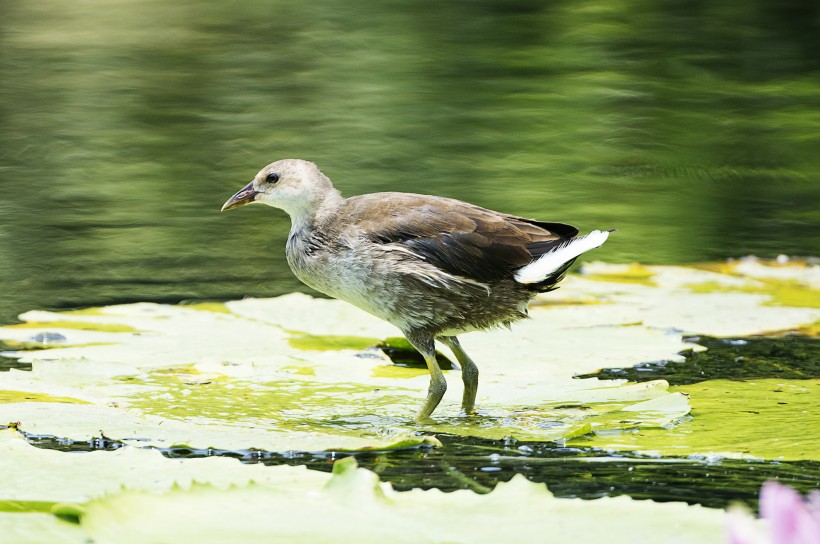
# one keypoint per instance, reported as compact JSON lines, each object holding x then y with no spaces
{"x":7,"y":397}
{"x":330,"y":342}
{"x":39,"y":528}
{"x":354,"y":504}
{"x":782,"y":293}
{"x":294,"y":372}
{"x":633,"y":273}
{"x":182,"y":380}
{"x":36,"y":479}
{"x":109,"y":496}
{"x":769,"y":419}
{"x":792,"y":284}
{"x":79,"y":325}
{"x":297,"y":373}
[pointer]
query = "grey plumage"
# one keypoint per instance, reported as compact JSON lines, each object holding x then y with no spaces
{"x":432,"y":266}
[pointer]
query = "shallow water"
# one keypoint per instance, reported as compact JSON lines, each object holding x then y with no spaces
{"x":479,"y":464}
{"x":692,"y":127}
{"x":794,"y":357}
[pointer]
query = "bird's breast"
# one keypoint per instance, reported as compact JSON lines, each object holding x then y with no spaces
{"x":325,"y":265}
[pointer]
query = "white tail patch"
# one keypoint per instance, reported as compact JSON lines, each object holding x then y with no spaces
{"x":551,"y":261}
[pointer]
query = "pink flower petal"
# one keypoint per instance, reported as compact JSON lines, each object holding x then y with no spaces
{"x":743,"y":528}
{"x":790,"y":518}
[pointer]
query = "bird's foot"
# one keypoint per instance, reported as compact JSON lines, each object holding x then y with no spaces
{"x":468,"y":412}
{"x":422,"y":419}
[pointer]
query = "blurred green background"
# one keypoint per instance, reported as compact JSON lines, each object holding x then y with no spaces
{"x":691,"y":125}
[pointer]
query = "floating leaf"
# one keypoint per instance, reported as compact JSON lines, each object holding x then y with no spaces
{"x":356,"y":505}
{"x":300,"y":373}
{"x":39,"y":528}
{"x":768,"y":419}
{"x":110,"y":495}
{"x":36,"y":479}
{"x":183,"y":380}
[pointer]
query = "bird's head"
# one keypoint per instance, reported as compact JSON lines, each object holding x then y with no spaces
{"x":292,"y":185}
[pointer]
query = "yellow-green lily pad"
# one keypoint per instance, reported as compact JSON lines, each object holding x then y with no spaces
{"x":768,"y":418}
{"x":37,"y":478}
{"x":294,"y":372}
{"x":39,"y":528}
{"x":184,"y":380}
{"x":109,"y":495}
{"x":354,"y":503}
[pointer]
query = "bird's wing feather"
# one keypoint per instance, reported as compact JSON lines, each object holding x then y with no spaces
{"x":460,"y":238}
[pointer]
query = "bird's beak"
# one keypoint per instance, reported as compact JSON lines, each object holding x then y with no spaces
{"x":246,"y":195}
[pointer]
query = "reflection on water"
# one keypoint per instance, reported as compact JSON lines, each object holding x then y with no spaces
{"x":480,"y":464}
{"x":691,"y":126}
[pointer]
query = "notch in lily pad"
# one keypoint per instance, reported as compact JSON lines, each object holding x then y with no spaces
{"x":69,"y":512}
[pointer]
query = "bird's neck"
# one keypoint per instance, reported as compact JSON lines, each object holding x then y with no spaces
{"x":315,"y":212}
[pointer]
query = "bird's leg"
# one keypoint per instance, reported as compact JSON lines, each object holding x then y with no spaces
{"x":438,"y":385}
{"x":469,"y":373}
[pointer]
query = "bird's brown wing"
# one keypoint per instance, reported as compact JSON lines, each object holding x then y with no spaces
{"x":461,"y":238}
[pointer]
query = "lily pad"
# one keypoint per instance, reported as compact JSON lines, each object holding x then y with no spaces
{"x":183,"y":380}
{"x":353,"y":503}
{"x":37,"y":478}
{"x":768,"y":419}
{"x":109,"y":495}
{"x":219,"y":500}
{"x":299,"y":373}
{"x":39,"y":528}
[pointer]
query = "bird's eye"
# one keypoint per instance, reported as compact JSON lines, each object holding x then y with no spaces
{"x":273,"y":177}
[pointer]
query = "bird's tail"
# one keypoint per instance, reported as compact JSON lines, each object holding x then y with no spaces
{"x":554,"y":260}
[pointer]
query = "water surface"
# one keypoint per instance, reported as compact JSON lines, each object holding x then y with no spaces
{"x":691,"y":126}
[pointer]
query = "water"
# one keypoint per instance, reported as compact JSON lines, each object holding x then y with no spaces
{"x":792,"y":357}
{"x":691,"y":126}
{"x":480,"y":464}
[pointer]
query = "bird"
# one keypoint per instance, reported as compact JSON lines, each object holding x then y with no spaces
{"x":434,"y":267}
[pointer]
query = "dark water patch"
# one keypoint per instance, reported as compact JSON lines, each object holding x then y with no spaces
{"x":49,"y":442}
{"x":7,"y":363}
{"x":402,"y":353}
{"x":787,"y":357}
{"x":480,"y":464}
